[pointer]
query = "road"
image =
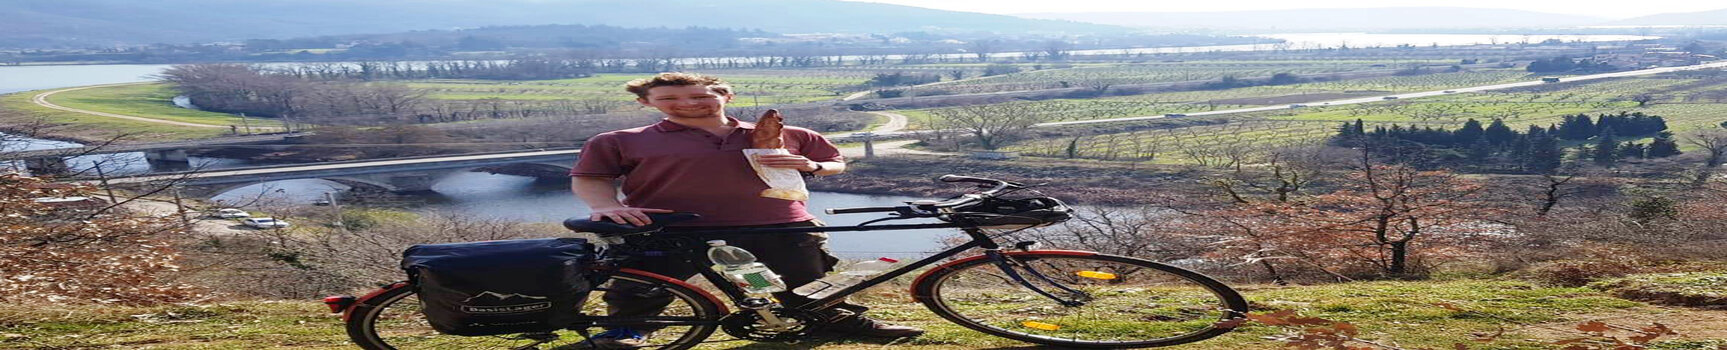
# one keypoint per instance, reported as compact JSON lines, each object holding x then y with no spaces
{"x":42,"y":100}
{"x":201,"y":223}
{"x":895,"y":122}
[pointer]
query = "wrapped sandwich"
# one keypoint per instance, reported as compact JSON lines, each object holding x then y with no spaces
{"x":783,"y":183}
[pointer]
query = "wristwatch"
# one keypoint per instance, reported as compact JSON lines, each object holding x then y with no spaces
{"x":812,"y":173}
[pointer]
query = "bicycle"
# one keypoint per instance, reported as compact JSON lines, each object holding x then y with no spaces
{"x":1051,"y":297}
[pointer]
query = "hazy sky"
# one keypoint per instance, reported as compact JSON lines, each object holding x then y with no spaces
{"x":1608,"y":9}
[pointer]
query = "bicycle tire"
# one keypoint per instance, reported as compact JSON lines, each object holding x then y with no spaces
{"x":391,"y":321}
{"x":1130,"y":302}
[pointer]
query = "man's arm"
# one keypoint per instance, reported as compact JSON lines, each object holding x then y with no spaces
{"x":602,"y":198}
{"x":800,"y":163}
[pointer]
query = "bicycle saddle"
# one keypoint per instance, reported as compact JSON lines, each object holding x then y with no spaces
{"x":607,"y":227}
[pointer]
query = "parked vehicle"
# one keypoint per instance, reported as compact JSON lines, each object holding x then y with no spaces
{"x":231,"y":213}
{"x":265,"y":223}
{"x":1549,"y":79}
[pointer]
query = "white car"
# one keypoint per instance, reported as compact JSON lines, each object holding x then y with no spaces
{"x":231,"y":213}
{"x":263,"y":223}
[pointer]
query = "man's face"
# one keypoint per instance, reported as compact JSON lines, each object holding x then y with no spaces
{"x":688,"y":101}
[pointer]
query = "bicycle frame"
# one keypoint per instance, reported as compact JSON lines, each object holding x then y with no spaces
{"x":979,"y":239}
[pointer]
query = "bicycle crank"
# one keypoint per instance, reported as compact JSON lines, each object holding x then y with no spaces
{"x":750,"y":325}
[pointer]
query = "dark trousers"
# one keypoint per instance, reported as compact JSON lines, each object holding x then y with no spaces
{"x":798,"y":258}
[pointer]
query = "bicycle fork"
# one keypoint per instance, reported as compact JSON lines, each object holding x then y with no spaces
{"x":1007,"y":265}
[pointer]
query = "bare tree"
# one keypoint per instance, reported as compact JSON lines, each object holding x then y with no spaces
{"x":982,"y":48}
{"x":1713,"y":141}
{"x":991,"y":125}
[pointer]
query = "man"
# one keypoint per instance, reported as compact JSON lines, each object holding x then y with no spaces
{"x":693,"y":161}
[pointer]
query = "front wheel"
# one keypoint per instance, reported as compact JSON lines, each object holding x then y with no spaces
{"x":1099,"y":301}
{"x":392,"y":320}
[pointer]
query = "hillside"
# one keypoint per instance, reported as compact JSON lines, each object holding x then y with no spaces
{"x":85,"y":23}
{"x":1330,"y":19}
{"x":1705,"y":18}
{"x":1529,"y":316}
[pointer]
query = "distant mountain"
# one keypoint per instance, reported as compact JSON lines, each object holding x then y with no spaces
{"x":84,"y":23}
{"x":1705,"y":18}
{"x":1330,"y":19}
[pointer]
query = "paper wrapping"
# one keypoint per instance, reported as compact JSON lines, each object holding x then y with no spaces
{"x":783,"y":183}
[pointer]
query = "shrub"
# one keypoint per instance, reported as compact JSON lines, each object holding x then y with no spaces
{"x":1577,"y":273}
{"x":65,"y":255}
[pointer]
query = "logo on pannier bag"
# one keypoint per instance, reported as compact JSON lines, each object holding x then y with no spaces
{"x":494,"y":303}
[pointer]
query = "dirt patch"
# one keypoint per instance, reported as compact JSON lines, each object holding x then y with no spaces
{"x":1691,"y":324}
{"x":1286,"y":99}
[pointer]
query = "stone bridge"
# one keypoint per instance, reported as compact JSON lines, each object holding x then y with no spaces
{"x":398,"y":175}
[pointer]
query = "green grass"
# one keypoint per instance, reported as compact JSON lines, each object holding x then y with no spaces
{"x":1430,"y":314}
{"x":18,"y":110}
{"x":154,"y":101}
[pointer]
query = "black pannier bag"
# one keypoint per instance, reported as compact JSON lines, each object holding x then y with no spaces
{"x":499,"y":287}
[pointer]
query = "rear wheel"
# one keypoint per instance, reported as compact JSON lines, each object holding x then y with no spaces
{"x":392,"y":321}
{"x":1114,"y":301}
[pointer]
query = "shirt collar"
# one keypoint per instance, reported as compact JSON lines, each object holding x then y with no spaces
{"x":666,"y":125}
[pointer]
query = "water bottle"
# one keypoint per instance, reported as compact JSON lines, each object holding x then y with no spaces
{"x":853,"y":275}
{"x":741,"y":268}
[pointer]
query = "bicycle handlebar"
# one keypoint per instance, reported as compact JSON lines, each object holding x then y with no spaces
{"x":929,"y":207}
{"x":862,"y":210}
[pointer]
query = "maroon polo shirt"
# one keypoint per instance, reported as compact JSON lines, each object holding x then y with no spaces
{"x":671,"y":166}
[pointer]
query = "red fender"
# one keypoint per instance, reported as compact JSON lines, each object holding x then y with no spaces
{"x":362,"y":300}
{"x":724,"y":309}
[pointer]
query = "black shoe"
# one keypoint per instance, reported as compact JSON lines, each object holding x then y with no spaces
{"x":855,"y":324}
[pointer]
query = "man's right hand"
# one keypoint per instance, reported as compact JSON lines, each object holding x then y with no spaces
{"x":623,"y":215}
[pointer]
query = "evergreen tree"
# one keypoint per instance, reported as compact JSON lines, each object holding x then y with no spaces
{"x":1468,"y":134}
{"x":1630,"y":149}
{"x":1663,"y":146}
{"x":1519,"y":150}
{"x":1545,"y":156}
{"x":1479,"y":151}
{"x":1605,"y":153}
{"x":1653,"y":208}
{"x":1498,"y":134}
{"x":1577,"y":128}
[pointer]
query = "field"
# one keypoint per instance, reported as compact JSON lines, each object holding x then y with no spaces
{"x":1686,"y":104}
{"x":1161,"y":72}
{"x":1432,"y":314}
{"x":754,"y":87}
{"x":145,"y":100}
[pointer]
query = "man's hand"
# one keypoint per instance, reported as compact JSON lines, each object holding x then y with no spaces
{"x":787,"y":161}
{"x":632,"y":216}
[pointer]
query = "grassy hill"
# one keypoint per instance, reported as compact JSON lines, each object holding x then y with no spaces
{"x":1432,"y":314}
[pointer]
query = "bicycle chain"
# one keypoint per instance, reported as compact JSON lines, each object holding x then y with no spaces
{"x":747,"y":324}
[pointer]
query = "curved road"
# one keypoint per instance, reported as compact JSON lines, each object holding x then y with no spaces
{"x":895,"y":122}
{"x":42,"y":100}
